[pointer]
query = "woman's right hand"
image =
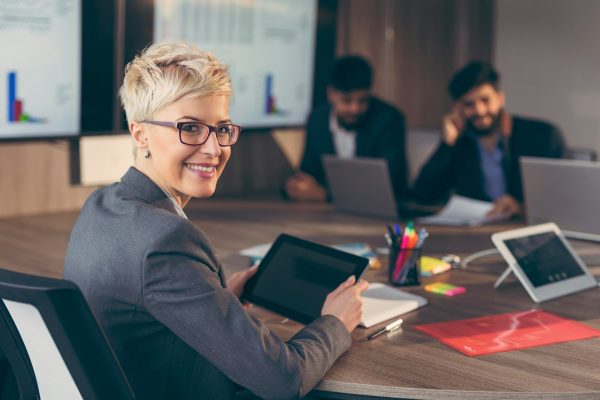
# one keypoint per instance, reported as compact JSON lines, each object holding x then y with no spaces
{"x":345,"y":302}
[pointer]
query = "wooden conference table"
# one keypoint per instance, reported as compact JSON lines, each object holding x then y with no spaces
{"x":406,"y":363}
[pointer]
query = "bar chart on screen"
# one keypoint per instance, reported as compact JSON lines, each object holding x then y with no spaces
{"x":40,"y":68}
{"x":268,"y":45}
{"x":16,"y":105}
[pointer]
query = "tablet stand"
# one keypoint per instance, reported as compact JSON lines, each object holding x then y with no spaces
{"x":502,"y":277}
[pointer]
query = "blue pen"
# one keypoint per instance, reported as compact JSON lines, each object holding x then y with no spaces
{"x":398,"y":230}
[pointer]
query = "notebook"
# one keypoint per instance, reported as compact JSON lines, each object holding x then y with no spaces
{"x":382,"y":302}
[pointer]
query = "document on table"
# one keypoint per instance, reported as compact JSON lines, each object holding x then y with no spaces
{"x":462,"y":211}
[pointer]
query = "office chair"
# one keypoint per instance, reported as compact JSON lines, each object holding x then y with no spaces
{"x":53,"y":343}
{"x":581,"y":153}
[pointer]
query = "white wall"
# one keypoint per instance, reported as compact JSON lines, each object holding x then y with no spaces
{"x":548,"y":55}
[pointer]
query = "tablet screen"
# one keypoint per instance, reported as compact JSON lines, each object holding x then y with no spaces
{"x":544,"y":258}
{"x":296,"y":276}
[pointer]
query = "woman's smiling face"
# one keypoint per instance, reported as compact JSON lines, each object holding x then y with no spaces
{"x":182,"y":170}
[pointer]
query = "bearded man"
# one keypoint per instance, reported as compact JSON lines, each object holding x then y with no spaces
{"x":478,"y":156}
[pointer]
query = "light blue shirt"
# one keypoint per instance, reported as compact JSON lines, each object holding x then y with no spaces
{"x":493,"y":173}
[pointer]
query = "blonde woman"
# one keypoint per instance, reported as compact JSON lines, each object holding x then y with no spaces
{"x":151,"y":276}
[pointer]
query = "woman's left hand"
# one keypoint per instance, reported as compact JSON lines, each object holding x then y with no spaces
{"x":236,"y":282}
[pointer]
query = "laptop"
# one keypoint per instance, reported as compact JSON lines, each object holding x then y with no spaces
{"x":361,"y":185}
{"x":566,"y":192}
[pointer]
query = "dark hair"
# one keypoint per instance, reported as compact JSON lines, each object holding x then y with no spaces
{"x":351,"y":73}
{"x":475,"y":73}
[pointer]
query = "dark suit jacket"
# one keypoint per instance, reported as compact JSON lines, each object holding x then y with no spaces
{"x":381,"y":135}
{"x":157,"y":289}
{"x":458,"y":167}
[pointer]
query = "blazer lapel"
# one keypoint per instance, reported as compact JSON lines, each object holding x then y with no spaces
{"x":145,"y":189}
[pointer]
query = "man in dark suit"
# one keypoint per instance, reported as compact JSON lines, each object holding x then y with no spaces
{"x":353,"y":123}
{"x":478,"y":156}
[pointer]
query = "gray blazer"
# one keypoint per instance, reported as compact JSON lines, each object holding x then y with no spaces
{"x":157,"y":289}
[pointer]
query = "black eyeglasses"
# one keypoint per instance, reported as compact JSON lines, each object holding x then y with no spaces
{"x":197,"y":133}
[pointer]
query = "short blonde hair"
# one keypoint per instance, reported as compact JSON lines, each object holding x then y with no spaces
{"x":166,"y":72}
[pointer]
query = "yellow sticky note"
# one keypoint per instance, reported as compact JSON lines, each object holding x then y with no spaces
{"x":432,"y":266}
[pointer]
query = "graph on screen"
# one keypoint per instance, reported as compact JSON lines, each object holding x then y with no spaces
{"x":268,"y":44}
{"x":40,"y":68}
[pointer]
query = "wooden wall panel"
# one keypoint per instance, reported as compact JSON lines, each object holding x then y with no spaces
{"x":34,"y":179}
{"x":415,"y":46}
{"x":423,"y":54}
{"x":257,"y":166}
{"x":362,"y":30}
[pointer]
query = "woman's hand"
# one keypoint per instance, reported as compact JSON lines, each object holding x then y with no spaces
{"x":346,"y":302}
{"x":236,"y":282}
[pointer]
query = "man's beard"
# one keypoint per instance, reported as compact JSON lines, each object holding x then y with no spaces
{"x":353,"y":125}
{"x":485,"y":131}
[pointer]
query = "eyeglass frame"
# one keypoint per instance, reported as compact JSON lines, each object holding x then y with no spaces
{"x":211,"y":129}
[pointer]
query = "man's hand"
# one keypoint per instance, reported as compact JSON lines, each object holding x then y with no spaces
{"x":506,"y":123}
{"x":303,"y":187}
{"x":236,"y":282}
{"x":452,"y":126}
{"x":504,"y":208}
{"x":345,"y":302}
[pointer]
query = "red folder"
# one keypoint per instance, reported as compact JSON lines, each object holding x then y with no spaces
{"x":506,"y":332}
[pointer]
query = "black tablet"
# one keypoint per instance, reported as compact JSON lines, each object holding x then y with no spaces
{"x":296,"y":275}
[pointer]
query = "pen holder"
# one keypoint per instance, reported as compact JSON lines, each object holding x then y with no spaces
{"x":403,"y":268}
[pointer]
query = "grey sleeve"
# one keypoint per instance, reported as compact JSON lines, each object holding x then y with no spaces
{"x":182,"y":290}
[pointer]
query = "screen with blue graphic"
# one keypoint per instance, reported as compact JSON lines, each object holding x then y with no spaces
{"x":40,"y":68}
{"x":269,"y":46}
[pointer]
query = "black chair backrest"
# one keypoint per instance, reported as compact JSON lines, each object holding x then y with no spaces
{"x":70,"y":325}
{"x":581,"y":153}
{"x":16,"y":358}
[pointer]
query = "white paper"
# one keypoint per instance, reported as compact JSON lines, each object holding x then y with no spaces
{"x":461,"y":211}
{"x":382,"y":302}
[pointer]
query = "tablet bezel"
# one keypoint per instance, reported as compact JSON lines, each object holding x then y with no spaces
{"x":551,"y":290}
{"x":248,"y":295}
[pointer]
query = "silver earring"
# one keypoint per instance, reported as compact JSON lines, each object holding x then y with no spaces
{"x":147,"y":155}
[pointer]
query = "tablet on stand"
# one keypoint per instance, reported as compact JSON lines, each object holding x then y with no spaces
{"x":543,"y":261}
